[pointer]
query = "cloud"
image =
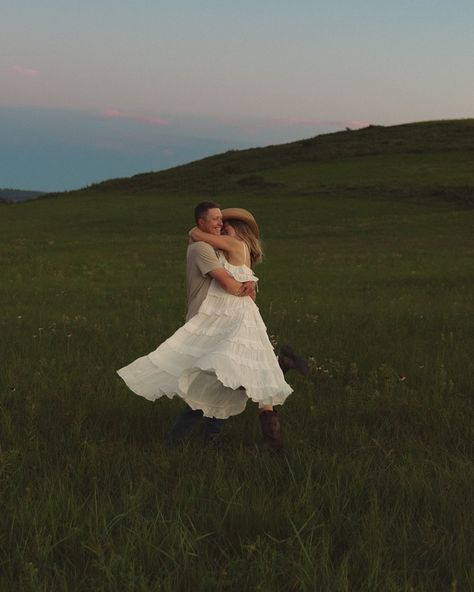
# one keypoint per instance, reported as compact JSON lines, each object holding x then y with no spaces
{"x":299,"y":121}
{"x":24,"y":72}
{"x":250,"y":130}
{"x":357,"y":123}
{"x":116,"y":114}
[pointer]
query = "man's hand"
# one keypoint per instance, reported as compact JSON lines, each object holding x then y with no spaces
{"x":232,"y":286}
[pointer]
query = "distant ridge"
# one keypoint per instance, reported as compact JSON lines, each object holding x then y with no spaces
{"x":251,"y":169}
{"x":15,"y":195}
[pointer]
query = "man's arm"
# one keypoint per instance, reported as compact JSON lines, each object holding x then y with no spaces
{"x":232,"y":286}
{"x":208,"y":263}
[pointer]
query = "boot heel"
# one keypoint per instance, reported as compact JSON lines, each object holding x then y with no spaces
{"x":271,"y":430}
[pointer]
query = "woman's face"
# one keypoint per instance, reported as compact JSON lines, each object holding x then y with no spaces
{"x":228,"y":229}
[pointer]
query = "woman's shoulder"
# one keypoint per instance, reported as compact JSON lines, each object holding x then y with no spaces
{"x":235,"y":243}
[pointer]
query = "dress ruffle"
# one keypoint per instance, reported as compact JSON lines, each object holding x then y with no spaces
{"x":217,"y":361}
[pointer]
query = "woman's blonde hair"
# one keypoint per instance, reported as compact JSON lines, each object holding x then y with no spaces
{"x":244,"y":232}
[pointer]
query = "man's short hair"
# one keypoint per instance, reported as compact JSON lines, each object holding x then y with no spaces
{"x":200,"y":211}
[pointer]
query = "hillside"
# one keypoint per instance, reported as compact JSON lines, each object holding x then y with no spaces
{"x":430,"y":158}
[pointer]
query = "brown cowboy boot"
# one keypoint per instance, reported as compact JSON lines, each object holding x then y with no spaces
{"x":271,"y":430}
{"x":288,"y":360}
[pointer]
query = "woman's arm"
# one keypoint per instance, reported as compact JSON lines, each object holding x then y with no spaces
{"x":223,"y":243}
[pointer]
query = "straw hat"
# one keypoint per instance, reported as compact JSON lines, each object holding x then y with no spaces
{"x":243,"y":215}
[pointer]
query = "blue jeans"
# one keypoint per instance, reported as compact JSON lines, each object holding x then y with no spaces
{"x":186,"y":421}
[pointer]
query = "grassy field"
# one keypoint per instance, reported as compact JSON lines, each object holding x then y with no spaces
{"x":370,"y":278}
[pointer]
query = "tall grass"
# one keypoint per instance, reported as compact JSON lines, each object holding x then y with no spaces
{"x":374,"y":491}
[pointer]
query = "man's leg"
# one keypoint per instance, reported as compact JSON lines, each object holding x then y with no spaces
{"x":213,"y":428}
{"x":183,"y":425}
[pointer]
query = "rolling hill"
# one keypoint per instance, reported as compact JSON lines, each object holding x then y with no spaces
{"x":418,"y":159}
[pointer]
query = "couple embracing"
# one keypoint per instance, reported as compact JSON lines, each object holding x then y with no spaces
{"x":222,"y":356}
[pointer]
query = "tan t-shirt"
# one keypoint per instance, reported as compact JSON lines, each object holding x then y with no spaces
{"x":200,"y":260}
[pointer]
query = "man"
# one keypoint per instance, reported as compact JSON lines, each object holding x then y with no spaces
{"x":202,"y":266}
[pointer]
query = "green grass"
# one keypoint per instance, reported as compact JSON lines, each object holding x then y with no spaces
{"x":416,"y":169}
{"x":374,"y":491}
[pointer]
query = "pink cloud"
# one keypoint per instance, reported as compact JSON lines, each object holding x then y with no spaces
{"x":232,"y":119}
{"x":298,"y":121}
{"x":358,"y":123}
{"x":24,"y":72}
{"x":116,"y":114}
{"x":319,"y":122}
{"x":111,"y":113}
{"x":250,"y":130}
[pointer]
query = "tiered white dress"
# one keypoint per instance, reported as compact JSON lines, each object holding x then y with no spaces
{"x":218,"y":360}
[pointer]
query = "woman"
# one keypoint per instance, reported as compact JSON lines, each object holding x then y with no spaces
{"x":222,"y":356}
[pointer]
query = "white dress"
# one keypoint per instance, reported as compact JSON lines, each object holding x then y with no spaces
{"x":218,"y":360}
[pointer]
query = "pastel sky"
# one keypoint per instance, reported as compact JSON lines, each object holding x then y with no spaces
{"x":105,"y":88}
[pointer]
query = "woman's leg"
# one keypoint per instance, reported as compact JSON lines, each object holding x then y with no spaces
{"x":271,"y":428}
{"x":269,"y":419}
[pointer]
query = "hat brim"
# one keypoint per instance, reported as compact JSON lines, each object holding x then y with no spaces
{"x":243,"y":216}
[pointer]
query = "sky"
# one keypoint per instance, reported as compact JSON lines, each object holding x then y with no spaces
{"x":98,"y":89}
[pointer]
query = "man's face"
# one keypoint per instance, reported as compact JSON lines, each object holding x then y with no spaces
{"x":212,"y":222}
